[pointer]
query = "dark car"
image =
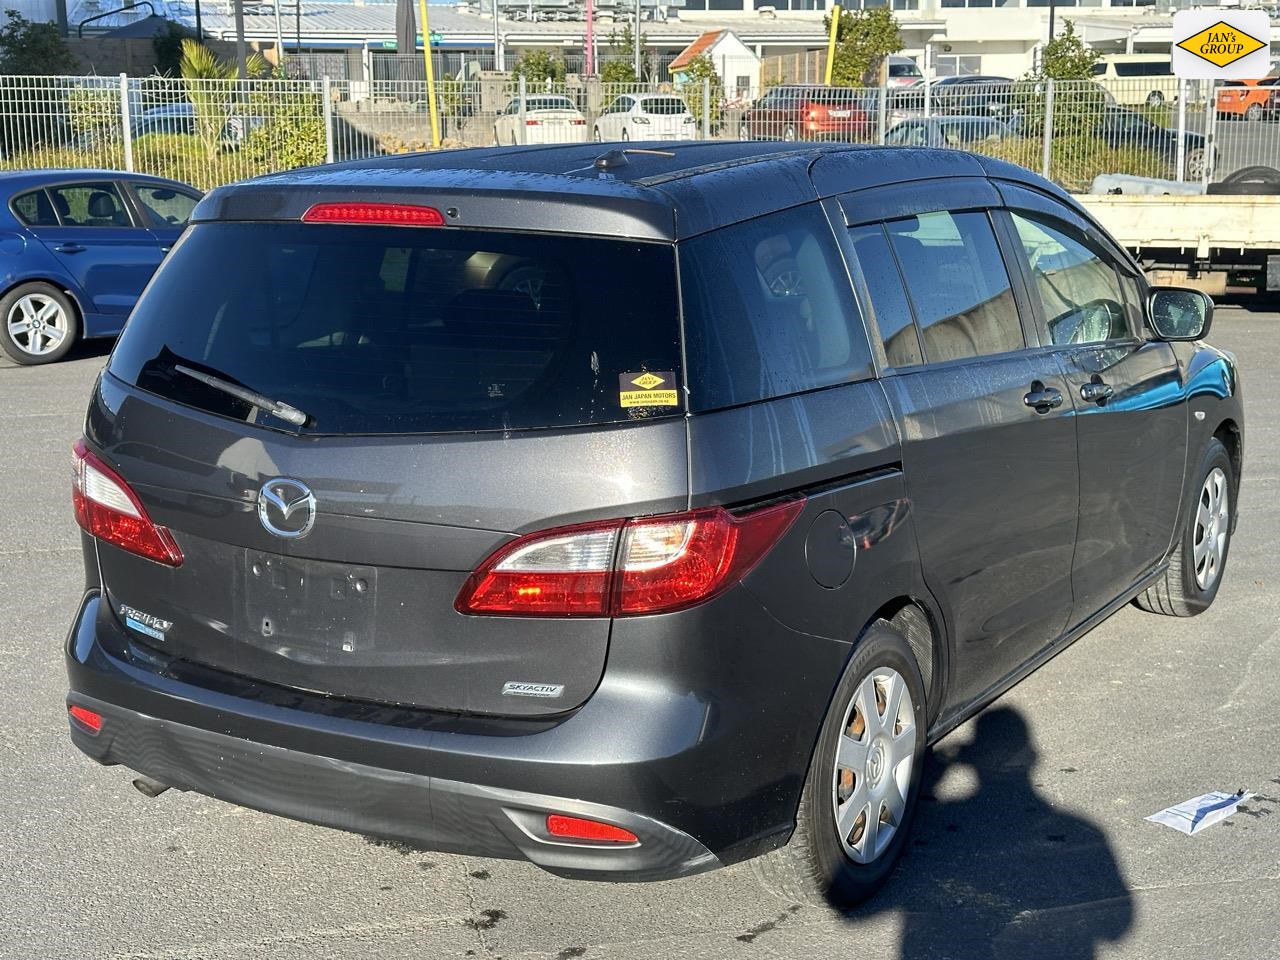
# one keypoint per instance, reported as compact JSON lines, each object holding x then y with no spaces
{"x":811,"y":112}
{"x":82,"y":245}
{"x":946,"y":131}
{"x":1119,"y":127}
{"x":970,"y":95}
{"x":420,"y":499}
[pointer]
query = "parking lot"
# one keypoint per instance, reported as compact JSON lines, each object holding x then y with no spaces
{"x":1030,"y":841}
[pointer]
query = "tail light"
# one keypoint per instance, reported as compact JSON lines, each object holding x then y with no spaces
{"x":107,"y":508}
{"x":625,"y":568}
{"x":533,"y":123}
{"x":578,"y":123}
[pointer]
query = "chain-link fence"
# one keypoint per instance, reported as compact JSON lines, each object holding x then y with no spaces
{"x":212,"y":132}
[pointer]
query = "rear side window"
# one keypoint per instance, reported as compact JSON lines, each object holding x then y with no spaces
{"x":90,"y":205}
{"x":958,"y":285}
{"x":377,"y":330}
{"x":768,"y":311}
{"x":884,"y":300}
{"x":35,"y":210}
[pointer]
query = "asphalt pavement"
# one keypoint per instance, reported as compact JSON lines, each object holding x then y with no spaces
{"x":1030,"y":840}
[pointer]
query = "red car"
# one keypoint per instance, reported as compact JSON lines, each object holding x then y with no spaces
{"x":811,"y":112}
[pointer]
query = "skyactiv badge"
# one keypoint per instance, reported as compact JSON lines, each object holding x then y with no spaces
{"x":654,"y":388}
{"x":1221,"y":44}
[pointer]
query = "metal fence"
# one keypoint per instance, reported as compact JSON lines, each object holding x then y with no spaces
{"x":213,"y":132}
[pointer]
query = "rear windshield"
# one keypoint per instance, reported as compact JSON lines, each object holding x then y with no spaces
{"x":549,"y":103}
{"x":663,"y":106}
{"x":393,"y":330}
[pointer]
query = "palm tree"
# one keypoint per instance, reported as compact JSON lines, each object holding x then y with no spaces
{"x":208,"y":80}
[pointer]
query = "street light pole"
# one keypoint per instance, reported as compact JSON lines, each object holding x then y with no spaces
{"x":1052,"y":16}
{"x":637,"y":43}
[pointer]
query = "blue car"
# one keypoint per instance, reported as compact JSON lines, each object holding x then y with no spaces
{"x":76,"y":249}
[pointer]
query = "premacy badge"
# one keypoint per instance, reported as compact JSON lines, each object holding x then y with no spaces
{"x":1221,"y":44}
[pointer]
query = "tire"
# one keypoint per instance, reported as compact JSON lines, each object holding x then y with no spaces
{"x":789,"y":133}
{"x":815,"y":866}
{"x":1256,"y":172}
{"x":744,"y":131}
{"x":497,"y":140}
{"x":625,"y":136}
{"x":1253,"y":112}
{"x":38,"y":324}
{"x":1196,"y":160}
{"x":1186,"y":589}
{"x":596,"y":136}
{"x":1155,"y":98}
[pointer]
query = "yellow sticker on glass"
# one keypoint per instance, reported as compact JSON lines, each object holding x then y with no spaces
{"x":652,"y":388}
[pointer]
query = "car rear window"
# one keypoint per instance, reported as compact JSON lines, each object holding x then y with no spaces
{"x":549,"y":103}
{"x":376,"y":330}
{"x":663,"y":106}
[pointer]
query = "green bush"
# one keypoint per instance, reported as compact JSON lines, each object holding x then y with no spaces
{"x":94,"y":115}
{"x":1076,"y":158}
{"x":285,"y":133}
{"x":701,"y":68}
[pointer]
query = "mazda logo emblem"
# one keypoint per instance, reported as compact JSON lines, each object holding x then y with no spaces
{"x":287,"y":508}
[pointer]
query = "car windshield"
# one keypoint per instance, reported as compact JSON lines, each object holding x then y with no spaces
{"x":663,"y":106}
{"x":401,"y":330}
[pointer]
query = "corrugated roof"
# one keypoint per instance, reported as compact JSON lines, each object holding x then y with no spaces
{"x":696,"y":49}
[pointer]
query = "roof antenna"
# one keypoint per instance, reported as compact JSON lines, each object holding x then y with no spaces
{"x":611,"y":160}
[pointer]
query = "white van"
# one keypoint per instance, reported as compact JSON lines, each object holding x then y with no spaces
{"x":1135,"y":78}
{"x":903,"y":71}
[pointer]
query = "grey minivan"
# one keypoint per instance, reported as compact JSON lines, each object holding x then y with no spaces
{"x":632,"y":512}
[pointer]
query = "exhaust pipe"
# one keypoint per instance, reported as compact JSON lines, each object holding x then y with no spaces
{"x":150,"y":788}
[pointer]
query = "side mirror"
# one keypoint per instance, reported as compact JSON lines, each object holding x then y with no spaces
{"x":1176,"y":313}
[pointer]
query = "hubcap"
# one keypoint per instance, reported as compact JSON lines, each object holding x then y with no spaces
{"x":37,"y":324}
{"x":1213,"y":524}
{"x":873,"y":765}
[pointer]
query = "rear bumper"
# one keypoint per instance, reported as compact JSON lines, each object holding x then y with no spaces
{"x":412,"y":808}
{"x":477,"y":787}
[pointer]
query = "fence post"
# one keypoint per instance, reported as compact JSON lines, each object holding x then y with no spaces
{"x":928,"y":97}
{"x":524,"y":129}
{"x":1210,"y":133}
{"x":882,"y":115}
{"x":126,"y":123}
{"x":706,"y":108}
{"x":326,"y":89}
{"x":1182,"y":129}
{"x":1047,"y":150}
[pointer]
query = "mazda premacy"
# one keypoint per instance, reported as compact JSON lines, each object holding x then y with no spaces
{"x":629,"y":511}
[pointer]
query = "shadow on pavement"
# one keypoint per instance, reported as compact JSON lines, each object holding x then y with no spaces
{"x":1001,"y":873}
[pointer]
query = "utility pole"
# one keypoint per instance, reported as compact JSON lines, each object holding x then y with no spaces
{"x":432,"y":106}
{"x":497,"y":40}
{"x":637,"y":43}
{"x":242,"y":54}
{"x":279,"y":39}
{"x":1052,"y":16}
{"x":589,"y":68}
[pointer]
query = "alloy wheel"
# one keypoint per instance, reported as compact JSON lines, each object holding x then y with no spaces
{"x":37,"y":324}
{"x":1212,"y":527}
{"x":874,"y":761}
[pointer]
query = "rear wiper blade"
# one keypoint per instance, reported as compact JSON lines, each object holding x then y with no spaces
{"x":274,"y":407}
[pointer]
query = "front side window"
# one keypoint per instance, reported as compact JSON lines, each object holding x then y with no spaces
{"x":768,"y":311}
{"x":169,"y":207}
{"x":958,"y":285}
{"x":90,"y":205}
{"x":1079,"y":291}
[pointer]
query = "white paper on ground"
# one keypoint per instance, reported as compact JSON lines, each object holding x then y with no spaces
{"x":1192,"y":816}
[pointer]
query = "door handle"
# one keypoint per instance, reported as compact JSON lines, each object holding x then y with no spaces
{"x":165,"y":248}
{"x":1042,"y":399}
{"x":70,"y":248}
{"x":1097,"y":392}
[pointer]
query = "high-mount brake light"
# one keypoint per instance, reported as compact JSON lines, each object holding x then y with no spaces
{"x":106,"y":507}
{"x":381,"y":214}
{"x":623,"y":568}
